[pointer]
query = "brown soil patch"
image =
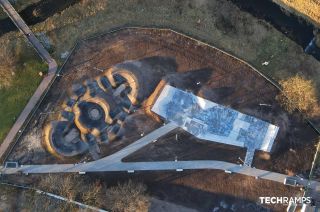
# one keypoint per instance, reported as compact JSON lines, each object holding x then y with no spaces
{"x":207,"y":189}
{"x":222,"y":78}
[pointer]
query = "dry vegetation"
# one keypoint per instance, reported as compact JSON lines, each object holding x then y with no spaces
{"x":21,"y":4}
{"x":298,"y":93}
{"x":18,"y":5}
{"x":72,"y":15}
{"x":72,"y":187}
{"x":17,"y":51}
{"x":14,"y":48}
{"x":307,"y":8}
{"x":218,"y":22}
{"x":202,"y":190}
{"x":9,"y":61}
{"x":128,"y":197}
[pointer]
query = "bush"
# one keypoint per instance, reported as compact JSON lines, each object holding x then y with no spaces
{"x":93,"y":194}
{"x":128,"y":197}
{"x":70,"y":186}
{"x":298,"y":93}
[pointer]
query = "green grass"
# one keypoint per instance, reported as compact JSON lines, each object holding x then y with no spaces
{"x":14,"y":98}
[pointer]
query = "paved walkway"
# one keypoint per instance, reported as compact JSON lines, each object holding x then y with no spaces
{"x":29,"y":108}
{"x":23,"y":27}
{"x":113,"y":163}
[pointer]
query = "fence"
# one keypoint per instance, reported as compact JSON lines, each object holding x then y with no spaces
{"x":266,"y":77}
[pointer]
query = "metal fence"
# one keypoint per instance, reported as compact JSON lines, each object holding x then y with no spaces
{"x":265,"y":76}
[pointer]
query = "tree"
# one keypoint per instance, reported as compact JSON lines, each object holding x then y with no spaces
{"x":128,"y":197}
{"x":70,"y":186}
{"x":298,"y":93}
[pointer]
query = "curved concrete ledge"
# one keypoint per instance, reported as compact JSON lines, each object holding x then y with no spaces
{"x":83,"y":127}
{"x":132,"y":82}
{"x":56,"y":143}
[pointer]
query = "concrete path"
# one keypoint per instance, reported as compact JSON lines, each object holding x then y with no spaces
{"x":23,"y":27}
{"x":113,"y":163}
{"x":110,"y":166}
{"x":46,"y":82}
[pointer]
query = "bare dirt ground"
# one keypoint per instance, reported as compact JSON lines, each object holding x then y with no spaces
{"x":163,"y":206}
{"x":181,"y":145}
{"x":222,"y":79}
{"x":217,"y":22}
{"x":208,"y":189}
{"x":189,"y":190}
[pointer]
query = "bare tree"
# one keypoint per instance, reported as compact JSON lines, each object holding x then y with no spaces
{"x":70,"y":186}
{"x":128,"y":197}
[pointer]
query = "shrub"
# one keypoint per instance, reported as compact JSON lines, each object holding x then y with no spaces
{"x":128,"y":197}
{"x":70,"y":186}
{"x":298,"y":93}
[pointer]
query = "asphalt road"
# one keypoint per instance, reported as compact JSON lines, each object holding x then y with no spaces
{"x":45,"y":83}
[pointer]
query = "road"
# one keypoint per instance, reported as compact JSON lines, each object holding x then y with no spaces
{"x":114,"y":163}
{"x":45,"y":83}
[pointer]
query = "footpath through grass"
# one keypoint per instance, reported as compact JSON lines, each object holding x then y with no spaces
{"x":14,"y":98}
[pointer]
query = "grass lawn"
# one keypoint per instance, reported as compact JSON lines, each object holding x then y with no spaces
{"x":14,"y":98}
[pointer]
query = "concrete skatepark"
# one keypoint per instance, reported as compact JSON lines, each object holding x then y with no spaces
{"x":113,"y":163}
{"x":213,"y":122}
{"x":96,"y":110}
{"x":94,"y":90}
{"x":70,"y":131}
{"x":174,"y":106}
{"x":85,"y":120}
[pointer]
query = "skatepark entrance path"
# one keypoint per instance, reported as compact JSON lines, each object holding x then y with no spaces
{"x":45,"y":83}
{"x":114,"y":163}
